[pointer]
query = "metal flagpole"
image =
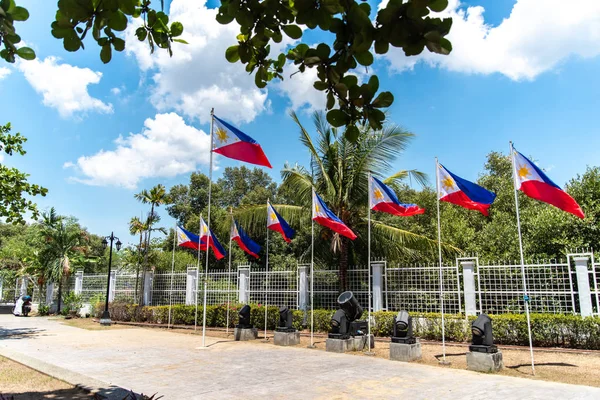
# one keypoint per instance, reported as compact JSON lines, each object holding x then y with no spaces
{"x":312,"y":273}
{"x":369,"y":352}
{"x":229,"y":275}
{"x":172,"y":272}
{"x":208,"y":234}
{"x":267,"y":273}
{"x":525,"y":295}
{"x":198,"y":270}
{"x":437,"y":176}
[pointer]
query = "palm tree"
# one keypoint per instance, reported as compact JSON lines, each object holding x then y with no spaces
{"x":137,"y":227}
{"x":62,"y":244}
{"x":339,"y":173}
{"x":155,"y":197}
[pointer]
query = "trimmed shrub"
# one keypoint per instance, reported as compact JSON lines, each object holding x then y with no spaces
{"x":548,"y":330}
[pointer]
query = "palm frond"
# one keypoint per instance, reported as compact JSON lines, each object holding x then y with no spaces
{"x":298,"y":180}
{"x":420,"y":177}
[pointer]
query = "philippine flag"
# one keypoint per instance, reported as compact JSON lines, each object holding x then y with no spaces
{"x":187,"y":239}
{"x":276,"y":223}
{"x":534,"y":183}
{"x":216,"y":247}
{"x":243,"y":240}
{"x":323,"y":216}
{"x":461,"y":192}
{"x":233,"y":143}
{"x":385,"y":200}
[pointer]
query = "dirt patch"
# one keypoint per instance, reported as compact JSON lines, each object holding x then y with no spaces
{"x":27,"y":384}
{"x":90,"y":324}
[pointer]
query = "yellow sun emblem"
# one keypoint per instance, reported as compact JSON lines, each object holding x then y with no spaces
{"x":378,"y":194}
{"x":273,"y":216}
{"x":221,"y":135}
{"x":523,"y":172}
{"x":317,"y":210}
{"x":448,"y":183}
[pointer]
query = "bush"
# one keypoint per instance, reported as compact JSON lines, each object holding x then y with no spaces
{"x":44,"y":310}
{"x":72,"y":303}
{"x":548,"y":330}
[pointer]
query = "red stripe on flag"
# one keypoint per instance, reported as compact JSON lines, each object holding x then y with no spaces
{"x":461,"y":199}
{"x":238,"y":240}
{"x":243,"y":151}
{"x":549,"y":194}
{"x":336,"y":227}
{"x":277,"y":228}
{"x":189,"y":245}
{"x":397,"y":210}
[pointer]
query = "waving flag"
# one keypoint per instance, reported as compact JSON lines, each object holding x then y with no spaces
{"x":214,"y":244}
{"x":276,"y":223}
{"x":385,"y":200}
{"x":243,"y":240}
{"x":534,"y":183}
{"x":233,"y":143}
{"x":461,"y":192}
{"x":323,"y":216}
{"x":187,"y":239}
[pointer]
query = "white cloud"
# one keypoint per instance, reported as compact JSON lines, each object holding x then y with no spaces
{"x":535,"y":38}
{"x":300,"y":90}
{"x":4,"y":72}
{"x":63,"y":86}
{"x":116,"y":91}
{"x":198,"y":77}
{"x":165,"y":147}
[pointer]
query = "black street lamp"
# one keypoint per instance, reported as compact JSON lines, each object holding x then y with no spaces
{"x":105,"y":320}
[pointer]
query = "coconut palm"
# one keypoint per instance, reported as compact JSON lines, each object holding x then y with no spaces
{"x":62,"y":243}
{"x":339,"y":174}
{"x":137,"y":227}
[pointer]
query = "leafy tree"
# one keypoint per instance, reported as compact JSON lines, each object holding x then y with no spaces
{"x":62,"y":243}
{"x":339,"y":174}
{"x":403,"y":24}
{"x":103,"y":19}
{"x":242,"y":185}
{"x":13,"y":183}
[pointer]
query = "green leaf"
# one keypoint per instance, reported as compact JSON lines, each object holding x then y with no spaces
{"x":446,"y":46}
{"x":364,"y":58}
{"x":141,"y":33}
{"x":232,"y":54}
{"x":385,"y":99}
{"x":180,"y":41}
{"x":117,"y":21}
{"x":352,"y":133}
{"x":373,"y":84}
{"x":330,"y":101}
{"x":26,"y":53}
{"x":293,"y":31}
{"x":72,"y":42}
{"x":106,"y":53}
{"x":438,"y":5}
{"x":381,"y":47}
{"x":224,"y":19}
{"x":319,"y":85}
{"x":118,"y":44}
{"x":20,"y":14}
{"x":337,"y":118}
{"x":176,"y":29}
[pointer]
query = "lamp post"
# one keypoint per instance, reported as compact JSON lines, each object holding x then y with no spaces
{"x":105,"y":320}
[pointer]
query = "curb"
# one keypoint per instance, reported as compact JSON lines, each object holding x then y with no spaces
{"x":90,"y":385}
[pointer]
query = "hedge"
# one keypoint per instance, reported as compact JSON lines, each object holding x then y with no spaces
{"x":549,"y":330}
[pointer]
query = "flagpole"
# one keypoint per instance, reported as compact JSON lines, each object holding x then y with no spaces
{"x":198,"y":270}
{"x":525,"y":295}
{"x":369,"y":352}
{"x":437,"y":184}
{"x":312,"y":272}
{"x":229,"y":275}
{"x":172,"y":272}
{"x":267,"y":273}
{"x":208,"y":236}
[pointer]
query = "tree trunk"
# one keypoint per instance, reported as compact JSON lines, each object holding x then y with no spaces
{"x":137,"y":269}
{"x":60,"y":281}
{"x":145,"y":267}
{"x":343,"y":264}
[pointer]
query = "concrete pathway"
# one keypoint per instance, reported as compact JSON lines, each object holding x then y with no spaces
{"x":155,"y":361}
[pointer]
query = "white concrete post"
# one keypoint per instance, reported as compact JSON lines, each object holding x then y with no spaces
{"x":468,"y":268}
{"x":148,"y":288}
{"x":49,"y":293}
{"x":377,"y":282}
{"x":244,"y":283}
{"x":1,"y":283}
{"x":79,"y":282}
{"x":113,"y":283}
{"x":583,"y":286}
{"x":23,"y":289}
{"x":303,"y":283}
{"x":190,"y":286}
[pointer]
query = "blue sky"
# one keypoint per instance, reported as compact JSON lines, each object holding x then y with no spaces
{"x":515,"y":74}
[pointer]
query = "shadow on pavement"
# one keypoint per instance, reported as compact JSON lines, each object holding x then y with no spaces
{"x":19,"y":333}
{"x":550,"y":364}
{"x":110,"y":393}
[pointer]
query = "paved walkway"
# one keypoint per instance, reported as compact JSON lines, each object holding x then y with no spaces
{"x":155,"y":361}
